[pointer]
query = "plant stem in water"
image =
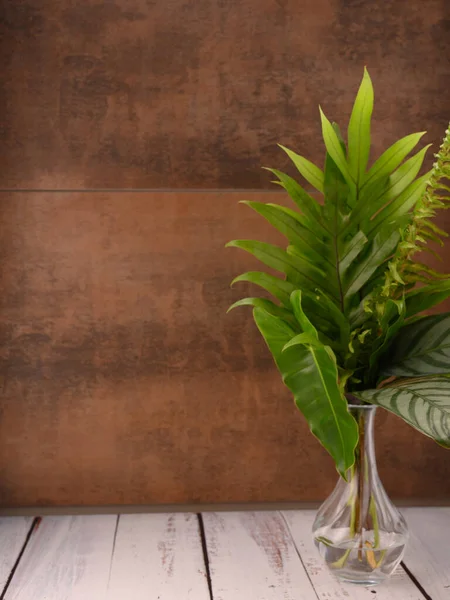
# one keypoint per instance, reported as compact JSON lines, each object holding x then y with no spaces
{"x":376,"y":527}
{"x":351,"y":502}
{"x":360,"y":458}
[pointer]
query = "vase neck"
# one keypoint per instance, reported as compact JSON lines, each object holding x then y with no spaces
{"x":362,"y":478}
{"x":365,"y":458}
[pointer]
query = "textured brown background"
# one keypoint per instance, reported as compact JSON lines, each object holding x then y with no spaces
{"x":196,"y":93}
{"x":122,"y":379}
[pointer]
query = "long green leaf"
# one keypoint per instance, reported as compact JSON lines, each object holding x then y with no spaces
{"x":323,"y":279}
{"x":423,"y":298}
{"x":334,"y":148}
{"x":306,"y":203}
{"x":318,"y":307}
{"x":306,"y":168}
{"x":270,"y":255}
{"x":350,"y":251}
{"x":422,"y":348}
{"x":392,"y":157}
{"x":336,"y":198}
{"x":302,"y":339}
{"x":400,"y":206}
{"x":359,"y":129}
{"x":269,"y":307}
{"x":405,"y":174}
{"x":423,"y":403}
{"x":296,"y":268}
{"x":383,"y":190}
{"x":333,"y":313}
{"x":335,"y":213}
{"x":319,"y":244}
{"x":391,"y":322}
{"x":312,"y":377}
{"x":381,"y":247}
{"x":358,"y":314}
{"x":321,"y":316}
{"x":279,"y":288}
{"x":305,"y":323}
{"x":291,"y":228}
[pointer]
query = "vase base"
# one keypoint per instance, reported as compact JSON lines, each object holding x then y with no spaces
{"x":360,"y":560}
{"x":364,"y":582}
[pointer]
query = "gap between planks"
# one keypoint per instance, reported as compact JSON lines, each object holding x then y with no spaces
{"x":220,"y":556}
{"x":15,"y":535}
{"x":399,"y":587}
{"x":427,"y":555}
{"x":76,"y":558}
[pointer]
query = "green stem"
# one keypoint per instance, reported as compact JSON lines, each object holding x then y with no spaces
{"x":360,"y":460}
{"x":338,"y":564}
{"x":376,"y":527}
{"x":351,"y":502}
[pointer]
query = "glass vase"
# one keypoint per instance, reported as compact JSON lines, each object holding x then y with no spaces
{"x":358,"y":530}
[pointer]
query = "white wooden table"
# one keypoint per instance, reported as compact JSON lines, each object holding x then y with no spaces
{"x":219,"y":556}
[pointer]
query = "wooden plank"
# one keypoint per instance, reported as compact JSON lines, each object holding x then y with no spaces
{"x":158,"y":556}
{"x":252,"y":557}
{"x":13,"y":533}
{"x":67,"y":558}
{"x":428,"y":552}
{"x":399,"y":587}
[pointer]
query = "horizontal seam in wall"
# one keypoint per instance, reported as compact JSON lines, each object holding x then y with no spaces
{"x":146,"y":190}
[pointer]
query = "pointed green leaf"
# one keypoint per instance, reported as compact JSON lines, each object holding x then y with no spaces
{"x":319,"y":244}
{"x":425,"y":297}
{"x":334,"y":148}
{"x":359,"y":130}
{"x":311,"y":374}
{"x":306,"y":168}
{"x":318,"y":275}
{"x":298,"y":271}
{"x":350,"y":251}
{"x":291,"y":228}
{"x":268,"y":306}
{"x":279,"y":288}
{"x":383,"y":190}
{"x":399,"y":207}
{"x":392,"y":157}
{"x":333,"y":313}
{"x":270,"y":255}
{"x":306,"y":203}
{"x":405,"y":174}
{"x":303,"y":339}
{"x":381,"y":248}
{"x":306,"y":316}
{"x":423,"y":403}
{"x":391,"y":322}
{"x":336,"y":198}
{"x":305,"y":323}
{"x":317,"y":306}
{"x":370,"y":200}
{"x":358,"y":314}
{"x":422,"y":348}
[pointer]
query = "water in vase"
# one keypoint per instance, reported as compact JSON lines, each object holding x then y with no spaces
{"x":358,"y":531}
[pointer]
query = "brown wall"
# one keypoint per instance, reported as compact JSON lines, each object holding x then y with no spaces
{"x":196,"y":93}
{"x":123,"y":379}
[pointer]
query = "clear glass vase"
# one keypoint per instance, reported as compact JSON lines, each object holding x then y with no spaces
{"x":358,"y":530}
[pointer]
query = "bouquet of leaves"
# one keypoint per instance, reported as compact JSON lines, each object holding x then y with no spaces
{"x":346,"y":316}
